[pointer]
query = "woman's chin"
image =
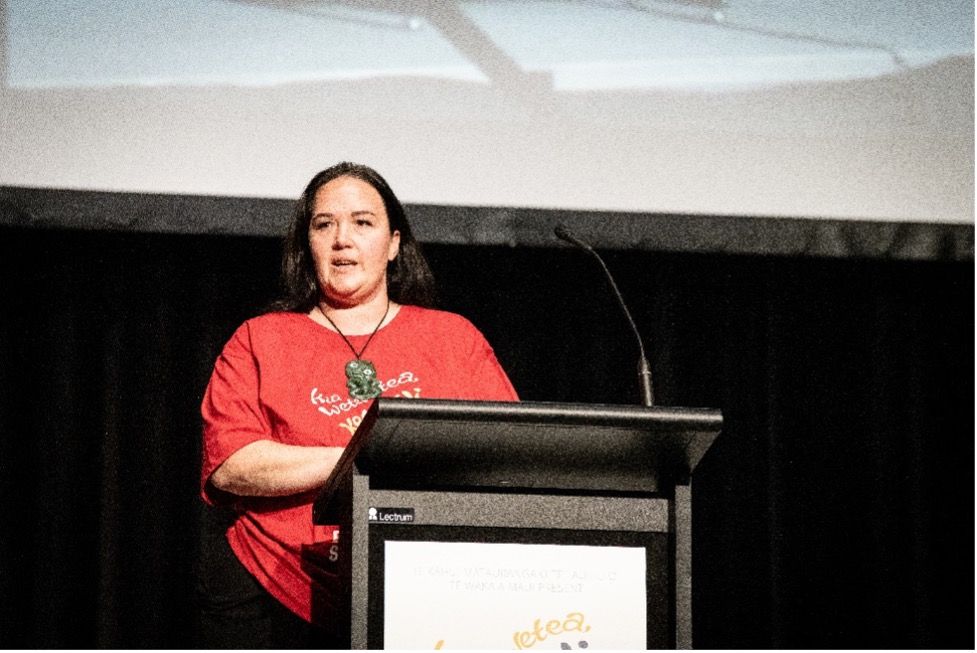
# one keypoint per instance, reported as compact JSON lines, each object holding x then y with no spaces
{"x":346,"y":296}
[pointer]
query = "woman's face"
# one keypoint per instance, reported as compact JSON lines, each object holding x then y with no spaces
{"x":351,"y":243}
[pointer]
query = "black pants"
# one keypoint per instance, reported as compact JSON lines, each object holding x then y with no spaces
{"x":235,"y":611}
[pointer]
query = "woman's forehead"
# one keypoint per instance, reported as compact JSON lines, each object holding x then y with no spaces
{"x":348,"y":194}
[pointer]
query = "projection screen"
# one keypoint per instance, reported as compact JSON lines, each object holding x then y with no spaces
{"x":678,"y":124}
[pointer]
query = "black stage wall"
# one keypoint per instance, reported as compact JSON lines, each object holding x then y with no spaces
{"x":835,"y":510}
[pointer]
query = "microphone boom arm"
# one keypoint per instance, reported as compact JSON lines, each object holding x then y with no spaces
{"x":644,"y":369}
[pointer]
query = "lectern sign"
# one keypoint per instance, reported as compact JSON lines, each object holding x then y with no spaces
{"x":390,"y":515}
{"x":464,"y":595}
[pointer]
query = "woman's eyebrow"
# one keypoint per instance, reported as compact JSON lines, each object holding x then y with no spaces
{"x":326,"y":214}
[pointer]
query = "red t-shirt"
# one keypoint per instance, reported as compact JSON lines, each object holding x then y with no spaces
{"x":282,"y":377}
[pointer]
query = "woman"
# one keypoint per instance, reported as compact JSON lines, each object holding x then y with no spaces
{"x":289,"y":389}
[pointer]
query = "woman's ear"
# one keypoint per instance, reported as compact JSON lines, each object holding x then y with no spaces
{"x":394,"y":245}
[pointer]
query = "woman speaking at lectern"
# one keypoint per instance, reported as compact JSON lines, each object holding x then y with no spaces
{"x":288,"y":391}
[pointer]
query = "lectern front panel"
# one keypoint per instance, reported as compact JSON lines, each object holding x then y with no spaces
{"x":511,"y":588}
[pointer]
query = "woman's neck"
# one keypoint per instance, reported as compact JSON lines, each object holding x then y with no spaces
{"x":355,"y":320}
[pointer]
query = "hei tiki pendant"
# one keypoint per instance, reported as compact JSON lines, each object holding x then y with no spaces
{"x":361,"y":379}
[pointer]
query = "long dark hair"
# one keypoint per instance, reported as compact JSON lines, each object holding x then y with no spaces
{"x":409,"y":278}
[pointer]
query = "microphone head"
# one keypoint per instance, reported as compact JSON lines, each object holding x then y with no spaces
{"x":565,"y":234}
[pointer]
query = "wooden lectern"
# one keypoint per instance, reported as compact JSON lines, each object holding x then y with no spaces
{"x":520,"y":472}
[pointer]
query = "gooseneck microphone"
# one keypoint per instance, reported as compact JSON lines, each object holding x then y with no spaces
{"x":644,"y":369}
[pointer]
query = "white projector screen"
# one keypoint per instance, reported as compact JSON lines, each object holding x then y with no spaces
{"x":813,"y":109}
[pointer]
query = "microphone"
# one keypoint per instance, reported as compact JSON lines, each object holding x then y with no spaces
{"x":644,"y":369}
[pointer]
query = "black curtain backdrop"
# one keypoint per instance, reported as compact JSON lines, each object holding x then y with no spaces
{"x":834,"y":511}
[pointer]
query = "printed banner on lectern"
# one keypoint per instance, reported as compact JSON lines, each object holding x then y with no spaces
{"x":462,"y":595}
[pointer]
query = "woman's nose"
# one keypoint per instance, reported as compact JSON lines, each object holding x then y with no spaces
{"x":341,"y":239}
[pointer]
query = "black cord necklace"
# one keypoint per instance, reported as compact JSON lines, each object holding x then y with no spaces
{"x":361,"y":375}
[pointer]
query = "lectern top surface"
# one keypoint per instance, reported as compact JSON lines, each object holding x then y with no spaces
{"x":655,"y":417}
{"x":525,"y":446}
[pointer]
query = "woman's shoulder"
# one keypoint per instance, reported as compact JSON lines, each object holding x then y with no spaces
{"x":433,"y":319}
{"x":274,"y":321}
{"x":273,"y":326}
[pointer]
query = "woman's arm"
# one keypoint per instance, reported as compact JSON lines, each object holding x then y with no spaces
{"x":273,"y":469}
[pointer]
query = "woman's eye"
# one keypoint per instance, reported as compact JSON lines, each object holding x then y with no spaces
{"x":363,"y":223}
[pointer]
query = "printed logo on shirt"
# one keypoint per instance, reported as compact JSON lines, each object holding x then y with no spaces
{"x":336,"y":405}
{"x":333,"y":405}
{"x":391,"y":515}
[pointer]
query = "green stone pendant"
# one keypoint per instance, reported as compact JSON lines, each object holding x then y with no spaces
{"x":361,"y":379}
